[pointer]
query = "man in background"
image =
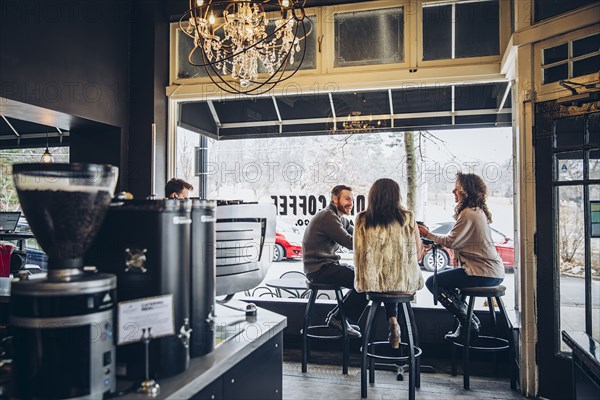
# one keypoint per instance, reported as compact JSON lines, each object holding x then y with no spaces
{"x":177,"y":189}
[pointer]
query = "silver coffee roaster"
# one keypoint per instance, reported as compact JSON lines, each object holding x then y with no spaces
{"x":62,"y":325}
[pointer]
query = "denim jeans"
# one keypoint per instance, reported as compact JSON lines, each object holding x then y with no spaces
{"x":457,"y":278}
{"x":343,"y":275}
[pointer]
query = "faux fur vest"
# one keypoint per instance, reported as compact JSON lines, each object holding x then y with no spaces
{"x":385,"y":258}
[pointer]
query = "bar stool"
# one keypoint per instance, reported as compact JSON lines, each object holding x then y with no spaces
{"x":381,"y":350}
{"x":327,"y":335}
{"x":485,"y":343}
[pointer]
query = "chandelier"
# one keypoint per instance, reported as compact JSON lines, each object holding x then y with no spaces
{"x":356,"y":123}
{"x":242,"y":48}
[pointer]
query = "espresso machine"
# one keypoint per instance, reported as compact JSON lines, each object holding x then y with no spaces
{"x":162,"y":247}
{"x":62,"y":325}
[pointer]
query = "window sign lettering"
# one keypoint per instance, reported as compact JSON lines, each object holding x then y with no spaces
{"x":309,"y":205}
{"x":595,"y":218}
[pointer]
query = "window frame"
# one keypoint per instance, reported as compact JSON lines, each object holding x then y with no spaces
{"x":328,"y":20}
{"x":504,"y":35}
{"x":553,"y":90}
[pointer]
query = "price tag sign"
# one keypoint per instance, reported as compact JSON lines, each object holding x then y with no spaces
{"x":155,"y":313}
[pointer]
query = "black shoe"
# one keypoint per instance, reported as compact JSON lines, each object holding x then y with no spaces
{"x":459,"y":335}
{"x":335,"y":323}
{"x":353,"y":326}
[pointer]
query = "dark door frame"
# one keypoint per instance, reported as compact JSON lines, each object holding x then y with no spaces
{"x":555,"y":380}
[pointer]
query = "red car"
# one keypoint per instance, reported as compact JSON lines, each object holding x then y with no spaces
{"x":285,"y":249}
{"x":445,"y":256}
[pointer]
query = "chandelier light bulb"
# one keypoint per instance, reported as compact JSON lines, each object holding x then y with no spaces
{"x":246,"y":52}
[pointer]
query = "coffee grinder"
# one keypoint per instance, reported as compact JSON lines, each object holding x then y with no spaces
{"x":62,"y":325}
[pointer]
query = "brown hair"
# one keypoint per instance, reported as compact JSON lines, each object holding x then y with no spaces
{"x":473,"y":192}
{"x":384,"y":205}
{"x":176,"y":186}
{"x":338,"y":189}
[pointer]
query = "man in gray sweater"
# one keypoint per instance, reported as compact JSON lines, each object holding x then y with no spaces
{"x":325,"y":233}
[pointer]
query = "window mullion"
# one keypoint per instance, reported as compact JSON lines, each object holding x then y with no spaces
{"x":453,"y":44}
{"x":587,"y":256}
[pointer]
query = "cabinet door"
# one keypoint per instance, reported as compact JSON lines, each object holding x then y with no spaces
{"x":258,"y":376}
{"x":214,"y":391}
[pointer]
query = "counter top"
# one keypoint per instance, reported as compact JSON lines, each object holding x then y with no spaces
{"x":245,"y":335}
{"x":586,"y":348}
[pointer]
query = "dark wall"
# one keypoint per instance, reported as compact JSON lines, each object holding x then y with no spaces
{"x":148,"y":78}
{"x":70,"y":57}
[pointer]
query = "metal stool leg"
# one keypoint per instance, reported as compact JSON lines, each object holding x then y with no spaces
{"x":366,"y":339}
{"x":307,"y":318}
{"x":453,"y":359}
{"x":467,"y":344}
{"x":345,"y":340}
{"x":373,"y":335}
{"x":512,"y":360}
{"x":415,"y":334}
{"x":490,"y":301}
{"x":411,"y":349}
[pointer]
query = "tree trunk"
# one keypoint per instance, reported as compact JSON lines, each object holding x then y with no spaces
{"x":411,"y":170}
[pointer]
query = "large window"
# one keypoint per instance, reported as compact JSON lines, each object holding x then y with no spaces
{"x":571,"y":59}
{"x":369,"y":37}
{"x":296,"y":174}
{"x":550,"y":8}
{"x":9,"y":200}
{"x":460,"y":30}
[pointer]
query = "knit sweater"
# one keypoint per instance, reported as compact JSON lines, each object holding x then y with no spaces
{"x":385,"y":257}
{"x":326,"y":231}
{"x":471,"y":238}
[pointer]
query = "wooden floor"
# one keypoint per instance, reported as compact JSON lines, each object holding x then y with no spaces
{"x":327,"y":382}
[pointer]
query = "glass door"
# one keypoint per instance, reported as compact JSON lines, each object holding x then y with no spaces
{"x":567,"y":145}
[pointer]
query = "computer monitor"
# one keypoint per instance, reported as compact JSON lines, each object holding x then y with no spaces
{"x":9,"y":220}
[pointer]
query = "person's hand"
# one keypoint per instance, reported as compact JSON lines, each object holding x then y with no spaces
{"x":423,"y":231}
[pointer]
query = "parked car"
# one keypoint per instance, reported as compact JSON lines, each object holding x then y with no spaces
{"x":445,"y":256}
{"x":287,"y":247}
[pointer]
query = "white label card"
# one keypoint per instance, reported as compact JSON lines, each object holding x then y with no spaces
{"x":155,"y":313}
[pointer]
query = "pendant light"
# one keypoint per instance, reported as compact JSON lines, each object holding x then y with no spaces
{"x":47,"y":157}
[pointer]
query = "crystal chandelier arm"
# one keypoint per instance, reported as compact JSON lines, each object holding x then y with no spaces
{"x":287,"y":57}
{"x":241,"y":46}
{"x":229,"y":46}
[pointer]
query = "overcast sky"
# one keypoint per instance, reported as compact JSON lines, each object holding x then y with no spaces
{"x":490,"y":144}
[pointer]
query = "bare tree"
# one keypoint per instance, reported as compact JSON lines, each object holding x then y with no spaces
{"x":571,"y":235}
{"x":411,"y":170}
{"x":185,"y":160}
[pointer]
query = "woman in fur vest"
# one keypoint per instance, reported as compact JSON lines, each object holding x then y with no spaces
{"x":387,"y":248}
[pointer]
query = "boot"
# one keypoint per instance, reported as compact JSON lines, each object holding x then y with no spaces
{"x":456,"y":335}
{"x":458,"y":308}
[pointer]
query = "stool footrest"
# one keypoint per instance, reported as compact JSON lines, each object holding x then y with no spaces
{"x":485,"y":343}
{"x":382,"y":357}
{"x":335,"y":334}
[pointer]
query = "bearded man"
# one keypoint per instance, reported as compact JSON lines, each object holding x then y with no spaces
{"x":328,"y":230}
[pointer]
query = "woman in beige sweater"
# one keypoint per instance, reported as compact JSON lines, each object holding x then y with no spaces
{"x":476,"y":260}
{"x":387,"y":248}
